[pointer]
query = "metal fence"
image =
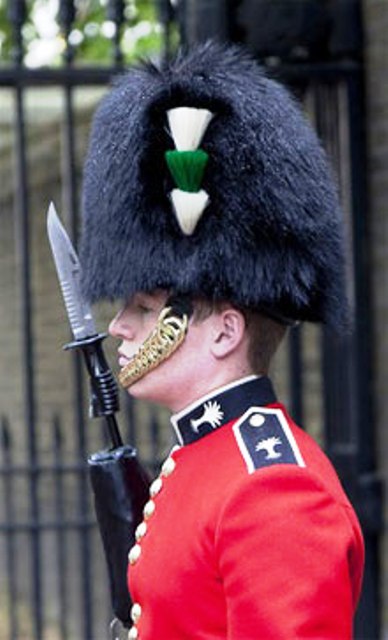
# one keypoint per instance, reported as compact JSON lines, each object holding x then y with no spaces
{"x":54,"y":583}
{"x":34,"y":530}
{"x":53,"y":578}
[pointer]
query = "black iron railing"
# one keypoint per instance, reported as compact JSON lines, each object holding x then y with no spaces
{"x":51,"y":560}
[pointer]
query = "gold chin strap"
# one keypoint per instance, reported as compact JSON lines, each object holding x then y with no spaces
{"x":167,"y":336}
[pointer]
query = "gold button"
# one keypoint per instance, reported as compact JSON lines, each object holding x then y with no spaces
{"x":149,"y":509}
{"x":141,"y":530}
{"x":156,"y":487}
{"x":134,"y":554}
{"x":168,"y":467}
{"x":133,"y":633}
{"x":135,"y":612}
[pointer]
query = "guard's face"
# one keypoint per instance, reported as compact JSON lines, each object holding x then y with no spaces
{"x":134,"y":322}
{"x":178,"y":380}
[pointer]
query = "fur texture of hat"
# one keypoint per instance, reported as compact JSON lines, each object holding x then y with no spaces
{"x":271,"y":235}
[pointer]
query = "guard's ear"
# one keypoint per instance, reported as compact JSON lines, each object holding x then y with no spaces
{"x":229,"y":332}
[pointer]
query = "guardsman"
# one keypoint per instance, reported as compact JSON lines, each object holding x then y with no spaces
{"x":210,"y":210}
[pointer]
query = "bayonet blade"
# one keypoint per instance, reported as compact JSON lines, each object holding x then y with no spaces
{"x":69,"y":275}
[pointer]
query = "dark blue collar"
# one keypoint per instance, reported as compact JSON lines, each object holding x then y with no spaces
{"x":221,"y":406}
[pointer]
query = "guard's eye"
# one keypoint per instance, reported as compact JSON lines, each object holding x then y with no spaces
{"x":144,"y":308}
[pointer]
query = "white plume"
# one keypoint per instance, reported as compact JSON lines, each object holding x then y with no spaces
{"x":187,"y":126}
{"x":188,"y":207}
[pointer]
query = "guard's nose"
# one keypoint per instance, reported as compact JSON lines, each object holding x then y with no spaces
{"x":120,"y":327}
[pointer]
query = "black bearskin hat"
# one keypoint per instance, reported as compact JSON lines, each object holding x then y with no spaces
{"x":203,"y":177}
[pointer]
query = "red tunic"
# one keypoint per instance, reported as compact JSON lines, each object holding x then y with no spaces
{"x":249,"y":535}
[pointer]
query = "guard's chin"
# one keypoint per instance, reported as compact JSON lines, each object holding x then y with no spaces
{"x":124,"y":361}
{"x":168,"y":334}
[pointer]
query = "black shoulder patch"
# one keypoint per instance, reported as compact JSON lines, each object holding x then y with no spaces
{"x":265,"y":438}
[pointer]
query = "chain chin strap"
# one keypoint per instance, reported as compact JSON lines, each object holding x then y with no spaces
{"x":167,"y":336}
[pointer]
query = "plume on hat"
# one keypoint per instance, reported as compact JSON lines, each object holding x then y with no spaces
{"x":266,"y":232}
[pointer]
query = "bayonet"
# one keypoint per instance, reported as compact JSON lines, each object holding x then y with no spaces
{"x":104,"y":392}
{"x":69,"y":275}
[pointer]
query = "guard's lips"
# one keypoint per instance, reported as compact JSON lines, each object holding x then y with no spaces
{"x":124,"y":359}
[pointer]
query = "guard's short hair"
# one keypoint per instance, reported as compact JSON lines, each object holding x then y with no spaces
{"x":264,"y":333}
{"x":250,"y":214}
{"x":265,"y":336}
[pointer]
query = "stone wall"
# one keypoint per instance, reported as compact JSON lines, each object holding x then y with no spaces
{"x":376,"y":59}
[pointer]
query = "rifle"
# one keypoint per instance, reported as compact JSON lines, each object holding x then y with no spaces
{"x":119,"y":482}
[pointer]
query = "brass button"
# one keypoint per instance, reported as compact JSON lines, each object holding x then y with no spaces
{"x":134,"y":554}
{"x":156,"y":487}
{"x":141,"y":530}
{"x":149,"y":509}
{"x":135,"y":612}
{"x":133,"y":633}
{"x":168,"y":467}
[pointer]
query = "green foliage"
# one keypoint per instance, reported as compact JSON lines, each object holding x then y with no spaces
{"x":91,"y":37}
{"x":5,"y":32}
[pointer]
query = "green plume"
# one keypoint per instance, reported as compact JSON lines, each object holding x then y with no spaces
{"x":187,"y":168}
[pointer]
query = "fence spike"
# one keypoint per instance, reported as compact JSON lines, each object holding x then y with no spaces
{"x":17,"y":12}
{"x":66,"y":18}
{"x":115,"y":12}
{"x":167,"y":11}
{"x":17,"y":15}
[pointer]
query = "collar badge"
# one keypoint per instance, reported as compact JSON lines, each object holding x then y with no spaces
{"x":212,"y":414}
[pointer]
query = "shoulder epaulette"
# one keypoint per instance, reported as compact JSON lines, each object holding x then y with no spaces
{"x":264,"y":438}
